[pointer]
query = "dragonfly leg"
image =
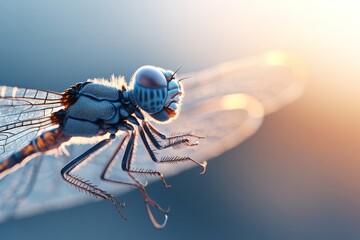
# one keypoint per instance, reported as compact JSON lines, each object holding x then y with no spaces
{"x":84,"y":185}
{"x":143,"y":133}
{"x":128,"y":159}
{"x":148,"y":202}
{"x":126,"y":165}
{"x":175,"y":141}
{"x":110,"y":163}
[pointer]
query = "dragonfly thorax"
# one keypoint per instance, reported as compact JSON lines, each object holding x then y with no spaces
{"x":98,"y":109}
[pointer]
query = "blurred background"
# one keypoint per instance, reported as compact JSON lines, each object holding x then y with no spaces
{"x":298,"y":177}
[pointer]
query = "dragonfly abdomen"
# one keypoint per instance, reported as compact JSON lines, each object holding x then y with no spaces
{"x":49,"y":140}
{"x":46,"y":141}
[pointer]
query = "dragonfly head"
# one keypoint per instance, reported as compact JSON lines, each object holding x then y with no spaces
{"x":157,"y":92}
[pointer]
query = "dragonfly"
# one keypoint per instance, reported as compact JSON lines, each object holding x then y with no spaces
{"x":101,"y":134}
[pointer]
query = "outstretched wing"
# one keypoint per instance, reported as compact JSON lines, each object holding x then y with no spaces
{"x":226,"y":103}
{"x":23,"y":113}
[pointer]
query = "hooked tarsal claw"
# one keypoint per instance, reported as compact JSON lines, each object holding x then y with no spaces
{"x":204,"y":164}
{"x":145,"y":184}
{"x":193,"y":144}
{"x":117,"y":204}
{"x":153,"y":220}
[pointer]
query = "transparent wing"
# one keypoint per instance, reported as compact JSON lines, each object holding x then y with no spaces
{"x":19,"y":104}
{"x":226,"y":103}
{"x":23,"y":113}
{"x":15,"y":135}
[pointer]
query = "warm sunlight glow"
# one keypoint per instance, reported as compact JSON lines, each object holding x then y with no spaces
{"x":243,"y":101}
{"x":276,"y":58}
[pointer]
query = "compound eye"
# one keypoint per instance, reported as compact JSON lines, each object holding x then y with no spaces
{"x":150,"y":77}
{"x":150,"y":88}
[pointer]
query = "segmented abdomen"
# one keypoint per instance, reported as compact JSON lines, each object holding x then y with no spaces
{"x":46,"y":141}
